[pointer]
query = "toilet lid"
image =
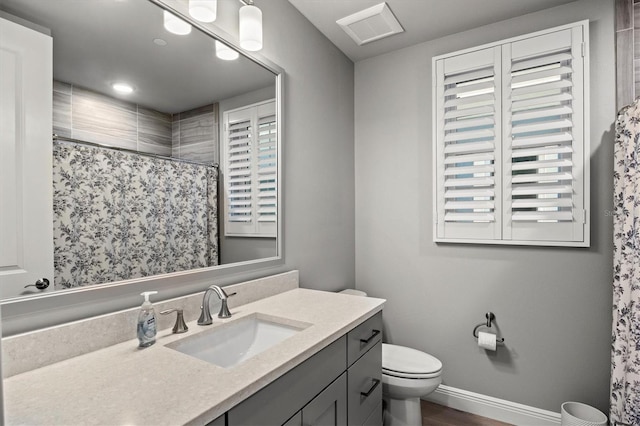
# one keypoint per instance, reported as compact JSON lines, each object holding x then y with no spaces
{"x":406,"y":362}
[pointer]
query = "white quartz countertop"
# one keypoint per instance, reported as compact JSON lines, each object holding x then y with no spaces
{"x":124,"y":385}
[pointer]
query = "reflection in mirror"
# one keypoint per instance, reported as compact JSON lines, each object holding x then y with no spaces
{"x":142,"y":117}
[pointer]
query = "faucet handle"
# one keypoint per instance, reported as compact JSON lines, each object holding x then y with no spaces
{"x":180,"y":326}
{"x":220,"y":291}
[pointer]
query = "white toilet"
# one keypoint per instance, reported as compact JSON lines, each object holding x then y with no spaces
{"x":407,"y":375}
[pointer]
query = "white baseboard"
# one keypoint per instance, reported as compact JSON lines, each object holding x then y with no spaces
{"x":493,"y":408}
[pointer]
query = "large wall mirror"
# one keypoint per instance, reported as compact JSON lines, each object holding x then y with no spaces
{"x":165,"y":157}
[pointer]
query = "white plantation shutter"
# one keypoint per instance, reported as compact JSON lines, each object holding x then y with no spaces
{"x":239,"y":174}
{"x":267,"y":169}
{"x":510,"y":141}
{"x":250,"y":171}
{"x":544,"y":137}
{"x":468,"y":149}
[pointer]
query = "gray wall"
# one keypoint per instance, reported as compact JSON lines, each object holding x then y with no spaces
{"x":553,"y":305}
{"x":318,"y":183}
{"x":318,"y":151}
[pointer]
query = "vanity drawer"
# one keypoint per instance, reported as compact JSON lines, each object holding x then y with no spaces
{"x":375,"y":418}
{"x":364,"y":337}
{"x":364,"y":386}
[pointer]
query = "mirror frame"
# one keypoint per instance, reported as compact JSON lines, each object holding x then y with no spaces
{"x":30,"y":312}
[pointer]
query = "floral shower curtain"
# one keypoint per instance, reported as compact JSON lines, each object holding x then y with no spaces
{"x":625,"y":350}
{"x":120,"y":215}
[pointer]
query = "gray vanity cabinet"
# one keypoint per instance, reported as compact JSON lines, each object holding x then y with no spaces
{"x":279,"y":401}
{"x":220,"y":421}
{"x":364,"y":375}
{"x":329,"y":408}
{"x":364,"y":394}
{"x":340,"y":385}
{"x":296,"y":420}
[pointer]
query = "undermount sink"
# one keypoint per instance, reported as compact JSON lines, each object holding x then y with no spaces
{"x":233,"y":342}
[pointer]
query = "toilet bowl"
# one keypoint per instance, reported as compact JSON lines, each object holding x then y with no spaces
{"x":407,"y":375}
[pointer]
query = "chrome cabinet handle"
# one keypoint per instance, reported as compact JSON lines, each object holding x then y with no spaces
{"x":374,"y":385}
{"x":40,"y":284}
{"x":373,"y":335}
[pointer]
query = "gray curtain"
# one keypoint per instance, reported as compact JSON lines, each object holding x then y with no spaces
{"x":120,"y":215}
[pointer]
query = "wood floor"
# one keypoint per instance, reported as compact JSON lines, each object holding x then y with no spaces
{"x":439,"y":415}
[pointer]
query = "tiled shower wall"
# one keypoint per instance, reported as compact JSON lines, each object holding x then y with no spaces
{"x":89,"y":116}
{"x":627,"y":51}
{"x":195,"y":134}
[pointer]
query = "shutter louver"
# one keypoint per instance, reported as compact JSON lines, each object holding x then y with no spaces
{"x":239,"y":172}
{"x":543,"y":103}
{"x":267,"y":169}
{"x":251,"y":171}
{"x":469,"y":131}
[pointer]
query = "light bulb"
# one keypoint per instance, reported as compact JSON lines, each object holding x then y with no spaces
{"x":175,"y":25}
{"x":225,"y":52}
{"x":123,"y":88}
{"x":203,"y":10}
{"x":250,"y":28}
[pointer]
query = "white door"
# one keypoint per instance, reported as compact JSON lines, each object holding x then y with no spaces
{"x":1,"y":375}
{"x":26,"y":194}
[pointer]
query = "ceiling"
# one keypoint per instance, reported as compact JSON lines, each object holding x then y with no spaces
{"x":423,"y":20}
{"x":100,"y":42}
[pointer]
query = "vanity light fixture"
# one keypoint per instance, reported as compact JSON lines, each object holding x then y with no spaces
{"x":203,"y":10}
{"x":224,"y":52}
{"x":175,"y":25}
{"x":122,"y":88}
{"x":250,"y":26}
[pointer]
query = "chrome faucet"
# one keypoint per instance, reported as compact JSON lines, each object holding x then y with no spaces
{"x":205,"y":309}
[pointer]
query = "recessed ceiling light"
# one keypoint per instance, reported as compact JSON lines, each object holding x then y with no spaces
{"x":123,"y":88}
{"x":159,"y":42}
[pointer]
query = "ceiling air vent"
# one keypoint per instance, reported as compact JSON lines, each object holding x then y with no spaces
{"x":371,"y":24}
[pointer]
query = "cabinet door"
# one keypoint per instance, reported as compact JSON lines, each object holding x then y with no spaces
{"x":375,"y":418}
{"x":220,"y":421}
{"x":329,"y":408}
{"x":277,"y":402}
{"x":296,"y":420}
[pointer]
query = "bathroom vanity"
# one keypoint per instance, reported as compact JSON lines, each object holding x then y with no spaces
{"x":329,"y":368}
{"x":339,"y":385}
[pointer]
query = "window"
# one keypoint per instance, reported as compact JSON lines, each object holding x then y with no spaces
{"x":511,"y":163}
{"x":250,"y":168}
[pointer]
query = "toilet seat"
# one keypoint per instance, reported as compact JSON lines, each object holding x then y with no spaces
{"x":408,"y":363}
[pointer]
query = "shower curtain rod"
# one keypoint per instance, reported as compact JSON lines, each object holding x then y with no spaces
{"x":130,"y":151}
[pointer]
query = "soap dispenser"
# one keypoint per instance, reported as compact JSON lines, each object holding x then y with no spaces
{"x":147,"y":322}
